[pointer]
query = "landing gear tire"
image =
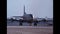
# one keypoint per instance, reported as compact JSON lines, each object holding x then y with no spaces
{"x":20,"y":24}
{"x":35,"y":24}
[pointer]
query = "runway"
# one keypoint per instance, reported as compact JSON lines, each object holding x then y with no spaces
{"x":29,"y":30}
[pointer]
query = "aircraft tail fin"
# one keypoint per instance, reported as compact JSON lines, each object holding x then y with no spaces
{"x":24,"y":10}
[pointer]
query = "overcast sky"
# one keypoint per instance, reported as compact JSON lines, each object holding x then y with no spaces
{"x":39,"y":8}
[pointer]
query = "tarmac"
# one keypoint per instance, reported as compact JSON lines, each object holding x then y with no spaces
{"x":29,"y":29}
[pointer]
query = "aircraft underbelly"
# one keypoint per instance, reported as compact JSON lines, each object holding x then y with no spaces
{"x":27,"y":18}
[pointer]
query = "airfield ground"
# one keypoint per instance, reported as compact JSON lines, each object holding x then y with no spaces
{"x":29,"y":30}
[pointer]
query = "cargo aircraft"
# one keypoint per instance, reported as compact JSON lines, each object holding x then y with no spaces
{"x":27,"y":18}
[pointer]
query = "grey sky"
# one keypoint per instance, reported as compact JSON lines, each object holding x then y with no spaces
{"x":39,"y":8}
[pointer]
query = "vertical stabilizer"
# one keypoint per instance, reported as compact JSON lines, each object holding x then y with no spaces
{"x":24,"y":10}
